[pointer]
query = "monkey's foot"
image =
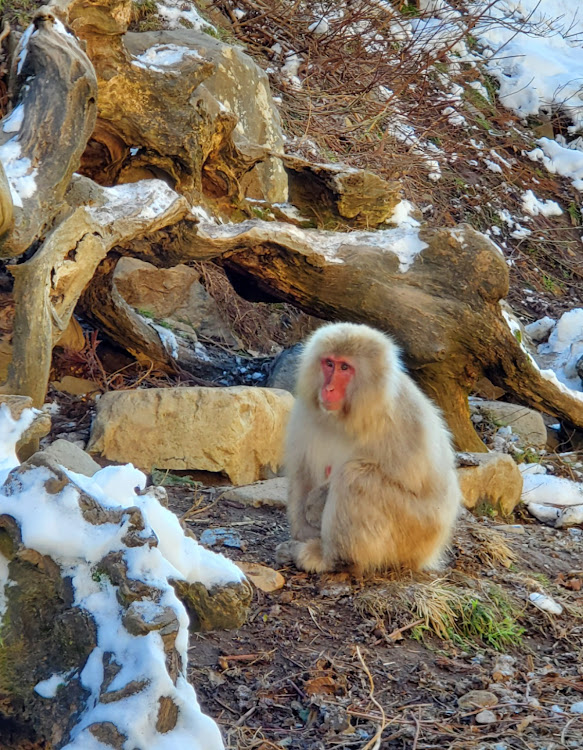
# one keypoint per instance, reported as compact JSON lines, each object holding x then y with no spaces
{"x":286,"y":552}
{"x":309,"y":557}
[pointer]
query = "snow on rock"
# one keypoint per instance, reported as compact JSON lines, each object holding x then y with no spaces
{"x":545,"y":489}
{"x":533,"y":206}
{"x":564,"y":348}
{"x":80,"y":522}
{"x":176,"y":13}
{"x":162,"y":56}
{"x":19,"y":171}
{"x":150,"y":199}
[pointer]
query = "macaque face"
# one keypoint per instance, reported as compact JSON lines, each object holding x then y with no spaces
{"x":338,"y":372}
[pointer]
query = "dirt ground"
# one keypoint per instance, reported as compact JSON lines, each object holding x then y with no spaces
{"x":332,"y":662}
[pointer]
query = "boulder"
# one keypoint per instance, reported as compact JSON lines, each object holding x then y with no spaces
{"x":264,"y":578}
{"x":341,"y":192}
{"x":271,"y":492}
{"x":218,"y":608}
{"x":527,"y":423}
{"x":209,"y":105}
{"x":239,"y":431}
{"x":493,"y":480}
{"x":83,"y":581}
{"x":173,"y":295}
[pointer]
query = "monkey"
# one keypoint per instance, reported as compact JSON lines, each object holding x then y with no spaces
{"x":369,"y":460}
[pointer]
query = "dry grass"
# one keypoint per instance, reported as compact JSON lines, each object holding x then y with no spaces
{"x":493,"y":549}
{"x":472,"y":614}
{"x":259,"y":325}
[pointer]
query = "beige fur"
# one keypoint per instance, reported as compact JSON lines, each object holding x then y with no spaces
{"x":392,"y":496}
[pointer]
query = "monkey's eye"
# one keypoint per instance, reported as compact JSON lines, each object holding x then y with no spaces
{"x":344,"y":366}
{"x":329,"y":363}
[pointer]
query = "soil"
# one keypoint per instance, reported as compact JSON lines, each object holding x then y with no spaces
{"x":313,"y":669}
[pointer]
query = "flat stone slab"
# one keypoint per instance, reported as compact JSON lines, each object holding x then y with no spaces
{"x":271,"y":492}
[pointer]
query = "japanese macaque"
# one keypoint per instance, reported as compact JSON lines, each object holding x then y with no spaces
{"x":372,"y":478}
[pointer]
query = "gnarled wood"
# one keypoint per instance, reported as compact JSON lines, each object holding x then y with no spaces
{"x":54,"y":88}
{"x":47,"y":286}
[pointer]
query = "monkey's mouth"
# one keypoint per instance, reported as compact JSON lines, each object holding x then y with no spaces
{"x":331,"y":405}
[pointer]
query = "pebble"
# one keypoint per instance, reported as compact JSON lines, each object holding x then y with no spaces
{"x":486,"y":717}
{"x":477,"y":699}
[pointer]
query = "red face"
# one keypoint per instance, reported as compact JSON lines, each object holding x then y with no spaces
{"x":338,"y":372}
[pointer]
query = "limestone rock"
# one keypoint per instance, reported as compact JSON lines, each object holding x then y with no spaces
{"x":237,"y":430}
{"x":342,"y":192}
{"x":527,"y":423}
{"x":70,"y":456}
{"x":264,"y":578}
{"x":174,"y":295}
{"x":495,"y":480}
{"x":50,"y":628}
{"x":486,"y":717}
{"x":271,"y":492}
{"x":210,"y":117}
{"x":221,"y":608}
{"x":477,"y":699}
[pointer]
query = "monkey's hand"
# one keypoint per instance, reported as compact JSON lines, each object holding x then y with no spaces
{"x":285,"y":553}
{"x":315,"y":502}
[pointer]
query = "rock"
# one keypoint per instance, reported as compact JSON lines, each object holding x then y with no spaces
{"x":95,"y":580}
{"x":220,"y":608}
{"x":477,"y":699}
{"x":486,"y":717}
{"x":512,"y":528}
{"x":237,"y":430}
{"x":235,"y":86}
{"x":486,"y":389}
{"x":75,"y":386}
{"x":504,"y":669}
{"x":40,"y":426}
{"x":495,"y":481}
{"x":264,"y":578}
{"x":283,"y":371}
{"x":271,"y":492}
{"x":174,"y":295}
{"x":67,"y":454}
{"x":222,"y":537}
{"x":340,"y":191}
{"x":72,"y":337}
{"x":527,"y":423}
